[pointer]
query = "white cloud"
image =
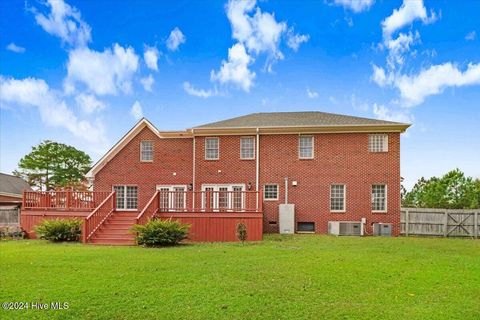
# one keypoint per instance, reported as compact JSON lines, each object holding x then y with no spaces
{"x":235,"y":69}
{"x":137,"y":111}
{"x":147,"y":83}
{"x":295,"y":40}
{"x":198,"y":92}
{"x":379,"y":76}
{"x":175,"y":39}
{"x":89,"y":103}
{"x":258,"y":31}
{"x":398,"y":47}
{"x":104,"y":72}
{"x":414,"y":89}
{"x":410,"y":11}
{"x":64,"y":22}
{"x":384,"y":113}
{"x":312,"y":94}
{"x":14,"y":48}
{"x":31,"y":92}
{"x":471,"y":36}
{"x":150,"y":55}
{"x":355,"y":5}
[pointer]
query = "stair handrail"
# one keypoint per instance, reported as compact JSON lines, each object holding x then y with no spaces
{"x":98,"y":216}
{"x":142,"y":217}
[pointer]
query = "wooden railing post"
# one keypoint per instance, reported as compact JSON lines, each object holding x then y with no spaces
{"x":84,"y":230}
{"x":24,"y":199}
{"x":68,"y":200}
{"x":114,"y":201}
{"x":260,"y":200}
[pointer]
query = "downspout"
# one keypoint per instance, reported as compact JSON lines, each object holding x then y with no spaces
{"x":257,"y":164}
{"x":286,"y":190}
{"x":193,"y":171}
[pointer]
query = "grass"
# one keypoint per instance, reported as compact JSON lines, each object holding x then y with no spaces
{"x":283,"y":277}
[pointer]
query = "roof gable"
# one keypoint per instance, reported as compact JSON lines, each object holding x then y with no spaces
{"x":143,"y":123}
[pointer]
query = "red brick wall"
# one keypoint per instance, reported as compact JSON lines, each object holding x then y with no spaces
{"x":170,"y":156}
{"x":339,"y":159}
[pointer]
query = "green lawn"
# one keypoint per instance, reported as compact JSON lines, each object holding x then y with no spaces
{"x":283,"y":277}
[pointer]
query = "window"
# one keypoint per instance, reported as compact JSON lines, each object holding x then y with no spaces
{"x":379,"y":197}
{"x":306,"y":227}
{"x":146,"y":151}
{"x":378,"y":143}
{"x":270,"y":192}
{"x":337,"y":197}
{"x":211,"y":148}
{"x":247,"y":148}
{"x":305,"y":147}
{"x":126,"y":197}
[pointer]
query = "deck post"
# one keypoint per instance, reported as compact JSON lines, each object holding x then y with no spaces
{"x":84,"y":231}
{"x":23,"y":199}
{"x":69,"y":200}
{"x":260,"y":201}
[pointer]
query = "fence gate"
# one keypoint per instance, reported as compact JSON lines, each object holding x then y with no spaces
{"x":9,"y":216}
{"x":440,"y":222}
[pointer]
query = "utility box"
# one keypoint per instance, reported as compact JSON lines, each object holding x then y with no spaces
{"x":382,"y":229}
{"x":286,"y":217}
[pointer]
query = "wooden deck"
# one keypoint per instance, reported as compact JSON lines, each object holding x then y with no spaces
{"x":213,"y":216}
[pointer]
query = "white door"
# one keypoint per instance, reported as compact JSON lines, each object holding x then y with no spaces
{"x":224,"y":197}
{"x":172,"y":198}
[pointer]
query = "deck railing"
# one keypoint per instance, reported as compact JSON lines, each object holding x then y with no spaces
{"x":150,"y":209}
{"x":210,"y":201}
{"x":63,"y":200}
{"x":95,"y":219}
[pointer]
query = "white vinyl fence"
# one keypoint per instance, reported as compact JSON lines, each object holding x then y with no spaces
{"x":440,"y":222}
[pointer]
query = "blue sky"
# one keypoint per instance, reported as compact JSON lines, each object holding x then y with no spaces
{"x":83,"y":72}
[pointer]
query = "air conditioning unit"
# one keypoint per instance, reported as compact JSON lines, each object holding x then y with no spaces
{"x":345,"y":228}
{"x":382,"y":229}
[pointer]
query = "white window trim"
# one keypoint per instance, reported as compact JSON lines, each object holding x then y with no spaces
{"x":247,"y":137}
{"x":125,"y":195}
{"x":344,"y":198}
{"x":386,"y":198}
{"x":218,"y":148}
{"x":278,"y":191}
{"x":385,"y":141}
{"x":313,"y":147}
{"x":153,"y":151}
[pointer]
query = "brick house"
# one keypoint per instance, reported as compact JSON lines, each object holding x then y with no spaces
{"x":331,"y":167}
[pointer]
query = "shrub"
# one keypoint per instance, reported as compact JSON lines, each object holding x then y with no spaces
{"x":242,"y":234}
{"x":60,"y":230}
{"x":161,"y":232}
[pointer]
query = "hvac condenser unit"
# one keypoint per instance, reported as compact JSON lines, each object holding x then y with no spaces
{"x":345,"y":228}
{"x":382,"y":229}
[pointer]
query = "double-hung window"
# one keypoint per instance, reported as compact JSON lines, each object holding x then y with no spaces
{"x":126,"y":197}
{"x":211,"y":148}
{"x":247,"y":148}
{"x":270,"y":192}
{"x":378,"y":143}
{"x":379,"y":198}
{"x":305,"y":147}
{"x":146,"y":151}
{"x":337,"y":198}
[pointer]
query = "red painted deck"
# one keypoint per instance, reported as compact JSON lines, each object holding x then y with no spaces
{"x":103,"y":224}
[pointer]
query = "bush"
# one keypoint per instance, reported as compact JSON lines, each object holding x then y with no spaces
{"x":242,"y":234}
{"x":60,"y":230}
{"x":161,"y":233}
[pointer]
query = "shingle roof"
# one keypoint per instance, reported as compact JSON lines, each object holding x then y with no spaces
{"x":295,"y":119}
{"x":12,"y":184}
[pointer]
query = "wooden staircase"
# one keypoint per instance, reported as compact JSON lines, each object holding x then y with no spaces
{"x":116,"y":230}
